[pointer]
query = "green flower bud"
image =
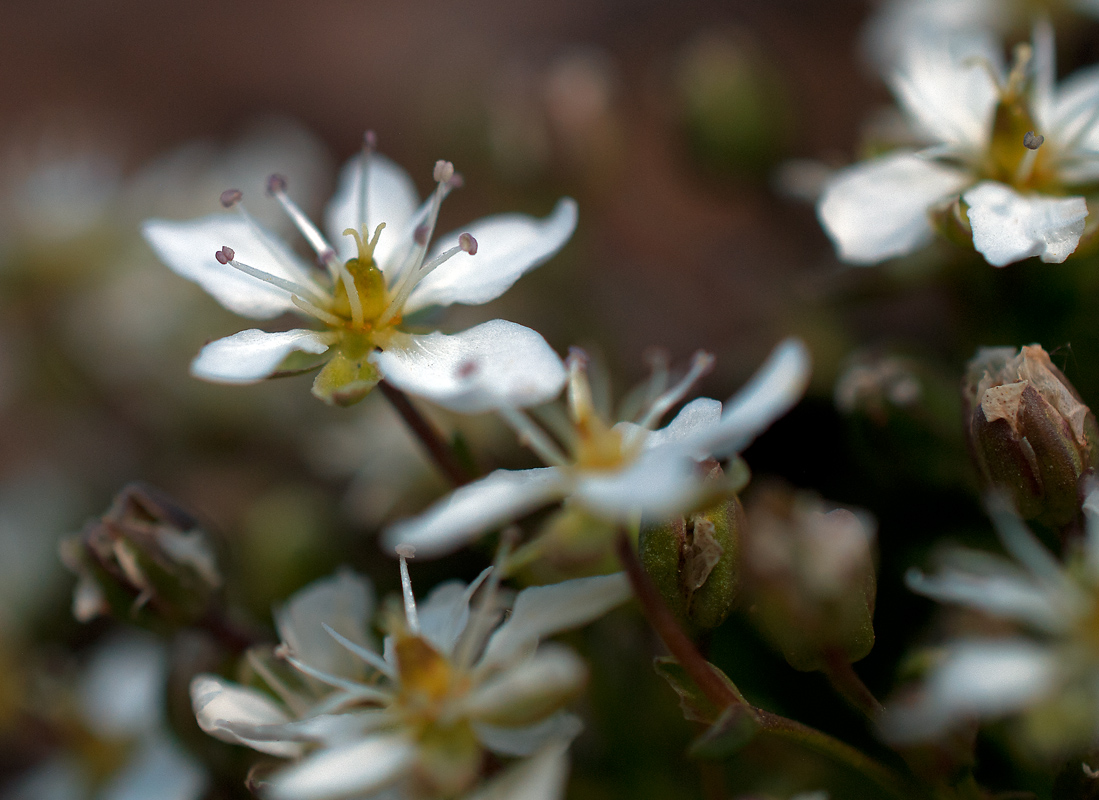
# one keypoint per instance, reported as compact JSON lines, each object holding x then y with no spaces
{"x":1030,"y":432}
{"x":810,"y":577}
{"x":695,"y":563}
{"x":145,"y":559}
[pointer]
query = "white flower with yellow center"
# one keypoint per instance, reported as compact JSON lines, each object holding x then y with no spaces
{"x":1047,"y":674}
{"x":448,"y":686}
{"x":382,"y":269}
{"x":622,"y":471}
{"x":1010,"y":156}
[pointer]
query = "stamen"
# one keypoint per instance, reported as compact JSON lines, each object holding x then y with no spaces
{"x":1017,"y":77}
{"x":532,"y":436}
{"x":353,"y":687}
{"x":1032,"y":141}
{"x":701,"y":363}
{"x":226,"y":256}
{"x":405,"y":552}
{"x":370,"y":144}
{"x":481,"y":621}
{"x":353,"y":298}
{"x":319,"y":313}
{"x":369,"y":656}
{"x":276,"y":187}
{"x":1026,"y":164}
{"x":468,"y":243}
{"x":581,"y":405}
{"x":230,"y":197}
{"x":263,"y":237}
{"x":444,"y":171}
{"x":278,"y":686}
{"x":658,"y":381}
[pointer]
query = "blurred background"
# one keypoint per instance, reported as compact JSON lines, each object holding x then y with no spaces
{"x":694,"y":136}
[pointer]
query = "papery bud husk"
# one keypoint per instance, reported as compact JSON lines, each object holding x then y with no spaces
{"x":146,"y":560}
{"x":1030,"y":432}
{"x":810,"y":578}
{"x":695,"y":562}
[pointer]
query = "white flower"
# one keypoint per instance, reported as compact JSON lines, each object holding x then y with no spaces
{"x":1047,"y":673}
{"x":373,"y":279}
{"x":617,"y":473}
{"x":1010,"y":146}
{"x":418,"y":716}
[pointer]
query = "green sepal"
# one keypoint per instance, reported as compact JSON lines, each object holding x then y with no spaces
{"x":733,"y":730}
{"x":344,"y":382}
{"x":298,"y":363}
{"x":695,"y":705}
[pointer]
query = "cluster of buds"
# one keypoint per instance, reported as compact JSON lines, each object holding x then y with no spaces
{"x":694,"y":560}
{"x":1031,"y":434}
{"x":145,"y":554}
{"x":810,"y":578}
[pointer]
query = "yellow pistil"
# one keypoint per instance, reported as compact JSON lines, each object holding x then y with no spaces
{"x":368,"y":280}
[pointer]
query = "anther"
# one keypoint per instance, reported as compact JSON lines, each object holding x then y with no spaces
{"x":576,"y":359}
{"x":276,"y":184}
{"x":444,"y":171}
{"x":420,"y":234}
{"x":456,"y":181}
{"x":467,"y":369}
{"x":468,"y":243}
{"x":406,"y":551}
{"x":225,"y":255}
{"x":370,"y":140}
{"x":324,"y":256}
{"x":230,"y":197}
{"x":1032,"y":141}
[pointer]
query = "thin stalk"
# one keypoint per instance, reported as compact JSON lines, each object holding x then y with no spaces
{"x":849,"y":685}
{"x":431,"y":439}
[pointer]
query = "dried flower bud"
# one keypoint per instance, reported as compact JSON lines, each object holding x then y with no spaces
{"x":695,"y":562}
{"x":146,"y":558}
{"x":809,"y":573}
{"x":1030,"y":432}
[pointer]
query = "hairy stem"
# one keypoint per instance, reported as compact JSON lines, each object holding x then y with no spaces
{"x":432,"y":441}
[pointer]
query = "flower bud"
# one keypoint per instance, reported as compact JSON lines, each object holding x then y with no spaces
{"x":695,"y":562}
{"x":1030,"y":432}
{"x":809,"y":574}
{"x":146,"y":558}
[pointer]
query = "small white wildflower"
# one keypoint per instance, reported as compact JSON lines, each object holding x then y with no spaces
{"x":617,"y":472}
{"x":382,"y":268}
{"x":418,"y":716}
{"x":1005,"y":151}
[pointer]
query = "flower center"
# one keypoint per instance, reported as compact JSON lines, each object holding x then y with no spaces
{"x":1014,"y":154}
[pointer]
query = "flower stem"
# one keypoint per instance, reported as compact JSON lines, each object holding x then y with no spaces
{"x":849,"y":685}
{"x":722,"y":694}
{"x":431,"y":439}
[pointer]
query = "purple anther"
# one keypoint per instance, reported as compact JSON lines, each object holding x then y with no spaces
{"x":276,"y":183}
{"x":444,"y":171}
{"x":467,"y":369}
{"x":577,"y":356}
{"x":370,"y":140}
{"x":456,"y":181}
{"x":225,"y":255}
{"x":468,"y":243}
{"x":325,"y":256}
{"x":420,"y":234}
{"x":1032,"y":141}
{"x":230,"y":197}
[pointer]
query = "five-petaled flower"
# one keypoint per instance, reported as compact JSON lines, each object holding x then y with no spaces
{"x":1008,"y":153}
{"x":1046,"y":672}
{"x":449,"y":684}
{"x":382,"y":269}
{"x":617,"y":473}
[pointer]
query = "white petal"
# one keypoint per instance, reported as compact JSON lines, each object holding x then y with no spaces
{"x":694,"y":419}
{"x":328,"y":729}
{"x":445,"y":612}
{"x":219,"y":704}
{"x":344,"y":602}
{"x":541,"y":777}
{"x":489,"y":366}
{"x":879,"y":209}
{"x":1044,"y":68}
{"x":658,"y":483}
{"x":531,"y":690}
{"x":252,"y":355}
{"x":508,"y":246}
{"x":355,"y":769}
{"x":776,"y":387}
{"x":188,"y":249}
{"x":561,"y":727}
{"x":542,"y":611}
{"x":391,"y":198}
{"x":976,"y":680}
{"x":1091,"y":540}
{"x":945,"y":88}
{"x":1004,"y":595}
{"x":494,"y":500}
{"x":1074,"y":111}
{"x":1008,"y":226}
{"x":122,"y":690}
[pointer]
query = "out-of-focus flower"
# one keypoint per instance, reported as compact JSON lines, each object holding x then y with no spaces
{"x":122,"y":708}
{"x":617,"y":473}
{"x":1031,"y":433}
{"x":419,"y":715}
{"x":1007,"y":151}
{"x":1047,"y":673}
{"x":369,"y":286}
{"x":145,"y":550}
{"x":809,"y":574}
